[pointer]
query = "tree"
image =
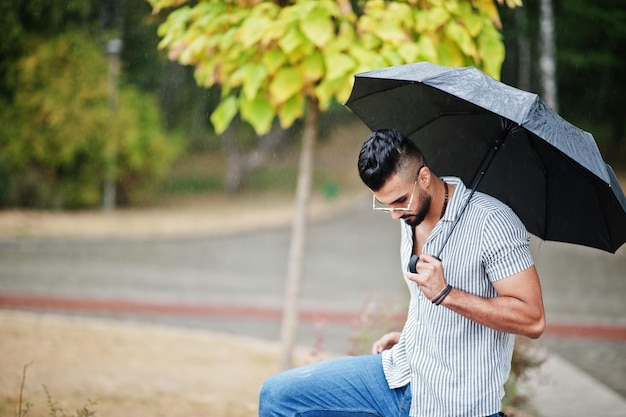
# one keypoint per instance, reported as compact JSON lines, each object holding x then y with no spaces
{"x":58,"y":128}
{"x":53,"y":105}
{"x":293,"y":59}
{"x":591,"y":39}
{"x":547,"y":63}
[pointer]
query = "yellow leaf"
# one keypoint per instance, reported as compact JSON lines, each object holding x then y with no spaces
{"x":318,"y":28}
{"x":344,"y":89}
{"x":286,"y":83}
{"x":224,"y":114}
{"x":489,"y":8}
{"x":193,"y":52}
{"x":258,"y":112}
{"x":273,"y":33}
{"x":473,"y":23}
{"x":450,"y":54}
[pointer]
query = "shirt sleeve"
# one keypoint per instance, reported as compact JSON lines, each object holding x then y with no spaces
{"x":506,"y":245}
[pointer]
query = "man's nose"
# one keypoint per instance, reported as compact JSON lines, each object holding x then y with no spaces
{"x":396,"y":215}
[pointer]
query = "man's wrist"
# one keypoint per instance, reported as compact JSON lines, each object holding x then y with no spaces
{"x":438,"y":299}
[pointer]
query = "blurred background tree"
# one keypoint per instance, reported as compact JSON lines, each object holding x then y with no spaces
{"x":590,"y":67}
{"x":58,"y":127}
{"x":53,"y":124}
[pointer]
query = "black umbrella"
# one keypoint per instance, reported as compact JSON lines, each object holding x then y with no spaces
{"x":548,"y":171}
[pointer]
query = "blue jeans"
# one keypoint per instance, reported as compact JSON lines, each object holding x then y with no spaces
{"x":351,"y":386}
{"x":345,"y":387}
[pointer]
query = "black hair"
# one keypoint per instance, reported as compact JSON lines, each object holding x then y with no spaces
{"x":384,"y":153}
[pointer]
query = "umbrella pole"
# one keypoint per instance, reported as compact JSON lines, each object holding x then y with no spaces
{"x":477,"y":179}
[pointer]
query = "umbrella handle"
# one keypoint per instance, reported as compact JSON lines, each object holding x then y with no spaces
{"x":413,"y":263}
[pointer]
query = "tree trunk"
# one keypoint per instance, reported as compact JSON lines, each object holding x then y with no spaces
{"x":547,"y":62}
{"x":241,"y":163}
{"x":524,"y":60}
{"x":114,"y":51}
{"x":298,"y":236}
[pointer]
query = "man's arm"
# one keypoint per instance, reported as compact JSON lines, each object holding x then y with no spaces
{"x":518,"y":309}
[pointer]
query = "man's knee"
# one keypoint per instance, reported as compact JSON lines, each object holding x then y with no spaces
{"x":274,"y":396}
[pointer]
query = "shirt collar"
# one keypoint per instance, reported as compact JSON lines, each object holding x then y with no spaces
{"x":457,"y":199}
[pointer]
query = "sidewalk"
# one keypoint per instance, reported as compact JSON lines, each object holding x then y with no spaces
{"x":559,"y":389}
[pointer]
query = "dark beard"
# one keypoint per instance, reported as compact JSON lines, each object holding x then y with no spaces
{"x":414,"y":220}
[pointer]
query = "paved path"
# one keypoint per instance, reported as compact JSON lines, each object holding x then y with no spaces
{"x":235,"y":283}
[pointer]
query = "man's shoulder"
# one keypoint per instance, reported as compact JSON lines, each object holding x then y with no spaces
{"x":487,"y":202}
{"x":482,"y":205}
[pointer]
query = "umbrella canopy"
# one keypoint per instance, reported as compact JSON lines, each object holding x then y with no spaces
{"x":548,"y":171}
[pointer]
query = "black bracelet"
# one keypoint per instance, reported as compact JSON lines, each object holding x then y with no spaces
{"x":442,"y":295}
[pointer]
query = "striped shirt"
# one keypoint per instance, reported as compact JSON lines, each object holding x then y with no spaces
{"x":457,"y":367}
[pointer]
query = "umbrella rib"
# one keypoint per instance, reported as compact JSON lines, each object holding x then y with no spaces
{"x":480,"y":175}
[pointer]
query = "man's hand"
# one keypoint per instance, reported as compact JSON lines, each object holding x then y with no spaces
{"x":429,"y":276}
{"x":385,"y":342}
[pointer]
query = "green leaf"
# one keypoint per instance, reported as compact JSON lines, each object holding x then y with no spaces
{"x":470,"y":19}
{"x":255,"y":75}
{"x":313,"y":67}
{"x":253,"y":29}
{"x":285,"y":84}
{"x":391,"y":55}
{"x":338,"y":65}
{"x":341,"y":42}
{"x":292,"y":40}
{"x":273,"y":60}
{"x":224,"y":114}
{"x":431,"y":20}
{"x":491,"y":51}
{"x":327,"y":89}
{"x":291,"y":110}
{"x":427,"y":48}
{"x":366,"y":57}
{"x":193,"y":51}
{"x":462,"y":38}
{"x":389,"y":31}
{"x":318,"y":28}
{"x":258,"y":112}
{"x":409,"y":52}
{"x":371,"y":41}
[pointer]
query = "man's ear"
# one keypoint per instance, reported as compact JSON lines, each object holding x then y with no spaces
{"x":424,"y":177}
